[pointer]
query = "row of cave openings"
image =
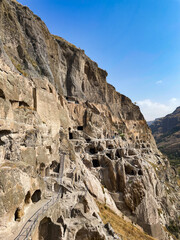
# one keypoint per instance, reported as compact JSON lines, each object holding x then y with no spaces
{"x":128,"y":169}
{"x":49,"y":230}
{"x":34,"y":198}
{"x":80,"y":128}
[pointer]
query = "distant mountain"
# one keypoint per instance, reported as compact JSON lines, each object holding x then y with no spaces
{"x":150,"y":123}
{"x":166,"y":131}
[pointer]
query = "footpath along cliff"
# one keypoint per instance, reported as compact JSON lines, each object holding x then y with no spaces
{"x":73,"y":151}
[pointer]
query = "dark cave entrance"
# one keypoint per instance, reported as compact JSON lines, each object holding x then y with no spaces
{"x":109,"y":155}
{"x":130,"y":171}
{"x":2,"y":95}
{"x":49,"y":230}
{"x":17,"y":215}
{"x":42,"y":167}
{"x":70,"y":134}
{"x":55,"y":166}
{"x":27,"y":199}
{"x":36,"y":196}
{"x":80,"y":128}
{"x":92,"y":150}
{"x":140,"y":172}
{"x":95,"y":163}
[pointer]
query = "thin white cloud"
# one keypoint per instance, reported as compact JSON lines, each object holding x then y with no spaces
{"x":159,"y":82}
{"x":152,"y":110}
{"x":173,"y":100}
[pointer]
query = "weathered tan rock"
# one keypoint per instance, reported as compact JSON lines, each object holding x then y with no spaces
{"x":54,"y":100}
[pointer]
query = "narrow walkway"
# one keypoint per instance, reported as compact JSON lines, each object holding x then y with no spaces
{"x":32,"y":209}
{"x":31,"y":222}
{"x":32,"y":218}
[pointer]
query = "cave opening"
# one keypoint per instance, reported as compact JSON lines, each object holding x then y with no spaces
{"x":23,"y":104}
{"x":2,"y":95}
{"x":27,"y":199}
{"x":140,"y":172}
{"x":36,"y":196}
{"x":87,"y":234}
{"x":118,"y":153}
{"x":4,"y":132}
{"x":42,"y":169}
{"x":100,"y":148}
{"x":130,"y":171}
{"x":70,"y":134}
{"x":50,"y":89}
{"x":83,"y":87}
{"x":95,"y":163}
{"x":109,"y":155}
{"x":110,"y":146}
{"x":80,"y":128}
{"x":60,"y":220}
{"x":55,"y":166}
{"x":92,"y":150}
{"x":17,"y":214}
{"x":34,"y":99}
{"x":49,"y":230}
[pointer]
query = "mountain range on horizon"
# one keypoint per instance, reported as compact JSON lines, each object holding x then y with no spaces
{"x":166,"y":131}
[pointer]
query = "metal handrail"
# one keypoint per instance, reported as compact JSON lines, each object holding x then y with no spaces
{"x":26,"y":232}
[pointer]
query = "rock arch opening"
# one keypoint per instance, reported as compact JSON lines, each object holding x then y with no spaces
{"x":42,"y":169}
{"x":17,"y":214}
{"x":129,"y":170}
{"x":110,"y":146}
{"x":80,"y":128}
{"x":34,"y":99}
{"x":36,"y":197}
{"x":140,"y":172}
{"x":88,"y":234}
{"x":100,"y":148}
{"x":49,"y":230}
{"x":55,"y":166}
{"x":118,"y":153}
{"x":93,"y":150}
{"x":109,"y":155}
{"x":2,"y":95}
{"x":27,"y":199}
{"x":96,"y":163}
{"x":70,"y":134}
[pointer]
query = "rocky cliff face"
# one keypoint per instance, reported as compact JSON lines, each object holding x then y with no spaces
{"x":54,"y":101}
{"x":167,"y":134}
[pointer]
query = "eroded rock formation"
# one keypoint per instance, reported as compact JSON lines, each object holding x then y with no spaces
{"x":55,"y":100}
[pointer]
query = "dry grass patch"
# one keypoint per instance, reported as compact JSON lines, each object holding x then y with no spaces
{"x":124,"y":229}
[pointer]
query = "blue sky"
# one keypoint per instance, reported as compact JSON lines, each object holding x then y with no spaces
{"x":136,"y":41}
